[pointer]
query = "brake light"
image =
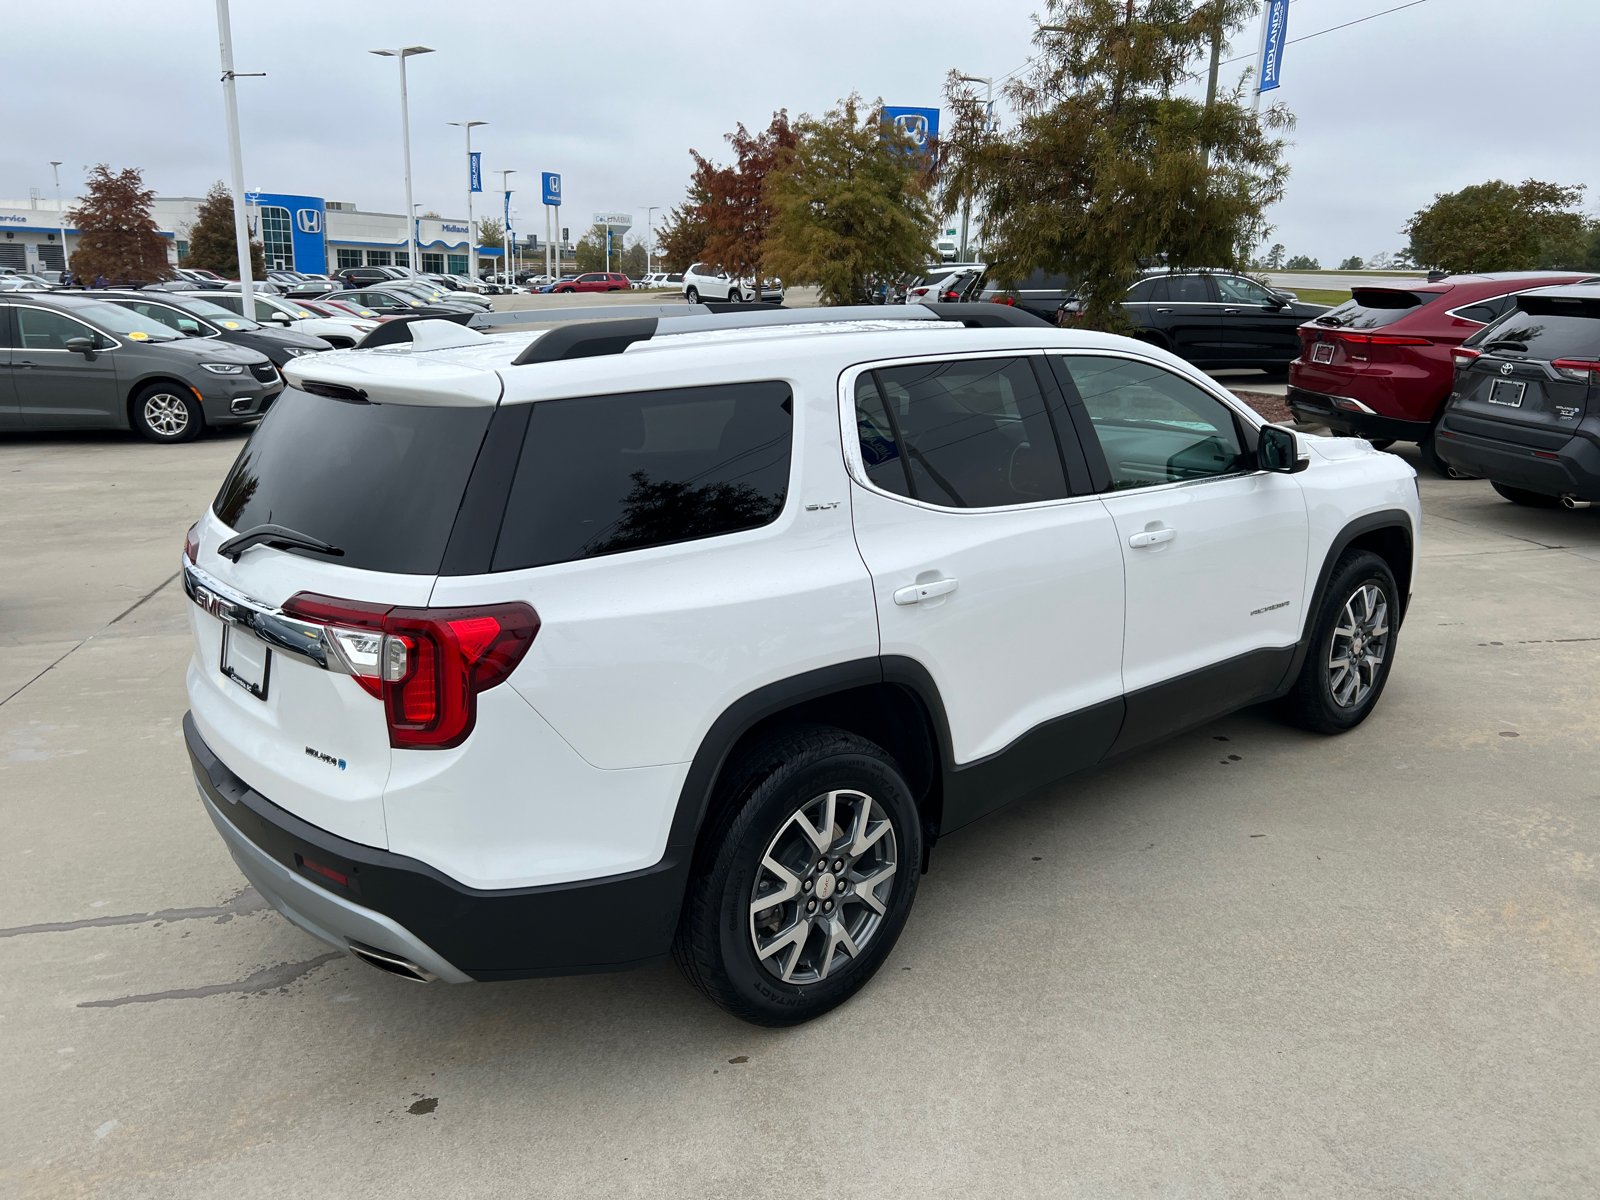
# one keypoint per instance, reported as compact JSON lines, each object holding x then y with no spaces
{"x":1003,"y":300}
{"x":426,"y":664}
{"x":1377,"y":339}
{"x":1464,"y":357}
{"x":1579,"y":370}
{"x":191,"y":543}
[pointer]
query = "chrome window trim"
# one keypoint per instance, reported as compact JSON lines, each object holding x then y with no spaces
{"x":60,"y":312}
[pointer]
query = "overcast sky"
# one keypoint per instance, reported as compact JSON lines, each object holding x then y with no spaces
{"x":1429,"y":99}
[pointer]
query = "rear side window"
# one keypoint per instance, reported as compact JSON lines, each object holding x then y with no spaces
{"x":1372,"y":308}
{"x":973,"y":433}
{"x":1545,"y":327}
{"x":380,"y":481}
{"x":604,"y":474}
{"x":1153,"y":427}
{"x":1142,"y":291}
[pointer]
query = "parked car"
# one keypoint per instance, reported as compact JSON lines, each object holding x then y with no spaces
{"x":654,"y":279}
{"x":394,"y":301}
{"x":1040,"y":293}
{"x":358,"y":277}
{"x":1380,"y":365}
{"x":594,"y":281}
{"x":340,"y":309}
{"x":192,"y":316}
{"x":432,"y":293}
{"x":310,"y":286}
{"x":23,"y":283}
{"x":78,"y":361}
{"x":638,"y":654}
{"x":1524,"y":411}
{"x":341,"y":332}
{"x":702,"y":282}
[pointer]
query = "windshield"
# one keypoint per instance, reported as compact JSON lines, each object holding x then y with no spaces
{"x":125,"y":321}
{"x":1374,"y":308}
{"x":227,"y":318}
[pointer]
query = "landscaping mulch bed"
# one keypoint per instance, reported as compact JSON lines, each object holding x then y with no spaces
{"x":1273,"y":408}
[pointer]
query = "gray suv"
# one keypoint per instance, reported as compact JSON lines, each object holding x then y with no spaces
{"x":78,"y":362}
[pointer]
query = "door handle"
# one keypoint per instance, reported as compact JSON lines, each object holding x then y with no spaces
{"x":1234,"y":311}
{"x":1152,"y":537}
{"x":22,"y":366}
{"x":1168,"y":311}
{"x":918,"y":592}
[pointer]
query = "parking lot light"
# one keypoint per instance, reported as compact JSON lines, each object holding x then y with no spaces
{"x":402,"y":54}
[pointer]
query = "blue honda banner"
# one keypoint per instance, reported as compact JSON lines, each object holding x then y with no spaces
{"x":475,"y":170}
{"x":1277,"y":32}
{"x":921,"y":123}
{"x":552,"y":188}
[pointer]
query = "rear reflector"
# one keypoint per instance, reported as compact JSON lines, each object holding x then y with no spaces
{"x":1546,"y":454}
{"x":191,"y":543}
{"x":317,"y":868}
{"x":1382,"y":339}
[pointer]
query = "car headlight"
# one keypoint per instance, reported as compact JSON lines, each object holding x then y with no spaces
{"x":223,"y":368}
{"x":296,"y":351}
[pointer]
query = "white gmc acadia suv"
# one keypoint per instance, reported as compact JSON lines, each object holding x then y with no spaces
{"x":556,"y":651}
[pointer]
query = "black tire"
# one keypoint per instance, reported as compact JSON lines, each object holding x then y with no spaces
{"x":692,"y":295}
{"x":167,"y":413}
{"x":1315,"y":702}
{"x":754,"y":815}
{"x":1381,"y":443}
{"x":1523,"y":496}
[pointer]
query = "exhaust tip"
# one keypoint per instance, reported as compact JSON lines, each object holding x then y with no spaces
{"x":392,"y":963}
{"x":1571,"y":501}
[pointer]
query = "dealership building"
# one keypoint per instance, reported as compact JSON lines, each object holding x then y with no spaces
{"x":297,"y":233}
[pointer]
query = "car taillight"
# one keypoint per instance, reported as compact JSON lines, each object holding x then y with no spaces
{"x":191,"y":543}
{"x":1376,"y":339}
{"x":426,"y":664}
{"x":1462,"y":357}
{"x":1003,"y":300}
{"x":1579,"y":370}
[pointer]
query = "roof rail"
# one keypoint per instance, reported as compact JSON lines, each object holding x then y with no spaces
{"x":397,"y":331}
{"x":588,"y":339}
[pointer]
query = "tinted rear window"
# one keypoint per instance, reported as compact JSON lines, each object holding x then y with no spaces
{"x":1544,"y":327}
{"x":1373,"y":308}
{"x":604,"y":474}
{"x":380,"y":481}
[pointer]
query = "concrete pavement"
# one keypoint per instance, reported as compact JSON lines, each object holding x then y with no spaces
{"x":1250,"y":962}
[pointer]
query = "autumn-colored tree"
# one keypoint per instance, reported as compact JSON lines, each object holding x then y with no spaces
{"x":117,"y":236}
{"x":213,"y":244}
{"x":591,"y":250}
{"x":737,"y":210}
{"x":850,"y":204}
{"x":1108,"y":166}
{"x":1494,"y":226}
{"x":682,"y":235}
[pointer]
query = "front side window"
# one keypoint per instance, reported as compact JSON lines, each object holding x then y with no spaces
{"x":1153,"y":426}
{"x":973,"y":433}
{"x":604,"y":474}
{"x":1242,"y":291}
{"x":41,"y":329}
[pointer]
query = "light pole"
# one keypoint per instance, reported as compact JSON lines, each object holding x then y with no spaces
{"x":402,"y":54}
{"x":61,"y":216}
{"x":241,"y":231}
{"x":505,"y":229}
{"x":472,"y":230}
{"x":650,"y":238}
{"x":988,"y":117}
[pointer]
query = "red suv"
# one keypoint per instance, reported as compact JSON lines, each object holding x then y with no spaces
{"x":595,"y":281}
{"x":1379,"y":365}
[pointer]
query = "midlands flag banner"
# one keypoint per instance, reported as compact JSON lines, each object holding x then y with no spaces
{"x":475,"y":170}
{"x":1277,"y":31}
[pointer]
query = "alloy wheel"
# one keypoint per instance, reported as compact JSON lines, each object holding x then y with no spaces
{"x":166,"y":414}
{"x":1359,"y":647}
{"x":823,"y":887}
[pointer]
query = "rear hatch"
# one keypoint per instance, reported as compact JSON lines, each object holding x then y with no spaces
{"x":1345,"y":340}
{"x":381,"y":482}
{"x":1529,"y":377}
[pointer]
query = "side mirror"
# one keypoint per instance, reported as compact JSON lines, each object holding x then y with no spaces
{"x":1279,"y":450}
{"x":80,"y":345}
{"x":282,"y":318}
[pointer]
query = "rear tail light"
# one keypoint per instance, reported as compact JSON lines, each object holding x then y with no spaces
{"x":1385,"y":339}
{"x":191,"y":544}
{"x":1579,"y":370}
{"x":1003,"y":300}
{"x":426,"y":664}
{"x":1464,"y":357}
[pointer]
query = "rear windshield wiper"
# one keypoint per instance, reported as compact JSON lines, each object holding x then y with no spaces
{"x":278,"y":537}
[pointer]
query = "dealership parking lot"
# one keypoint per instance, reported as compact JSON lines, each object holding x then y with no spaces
{"x":1247,"y":962}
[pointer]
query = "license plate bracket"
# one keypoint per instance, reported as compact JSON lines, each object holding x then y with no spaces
{"x":1322,"y":352}
{"x":246,"y":660}
{"x":1507,"y":392}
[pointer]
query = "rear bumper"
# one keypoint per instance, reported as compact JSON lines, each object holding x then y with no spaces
{"x":404,"y":907}
{"x":1572,"y":469}
{"x":1315,"y":408}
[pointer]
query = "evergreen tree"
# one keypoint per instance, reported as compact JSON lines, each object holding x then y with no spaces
{"x":1494,"y":226}
{"x":1108,"y":166}
{"x":491,"y":233}
{"x":850,"y":205}
{"x":1303,"y":262}
{"x":117,"y":236}
{"x":212,"y":243}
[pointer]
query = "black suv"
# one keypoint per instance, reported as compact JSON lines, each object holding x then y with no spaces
{"x":1216,"y":320}
{"x":1524,"y":411}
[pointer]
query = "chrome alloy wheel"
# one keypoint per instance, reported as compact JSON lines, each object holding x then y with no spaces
{"x":166,"y":414}
{"x":823,"y":886}
{"x":1360,"y":644}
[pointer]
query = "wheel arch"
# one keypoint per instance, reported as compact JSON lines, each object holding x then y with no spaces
{"x":876,"y":698}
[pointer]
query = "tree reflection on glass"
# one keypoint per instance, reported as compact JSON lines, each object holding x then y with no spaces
{"x":669,"y":510}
